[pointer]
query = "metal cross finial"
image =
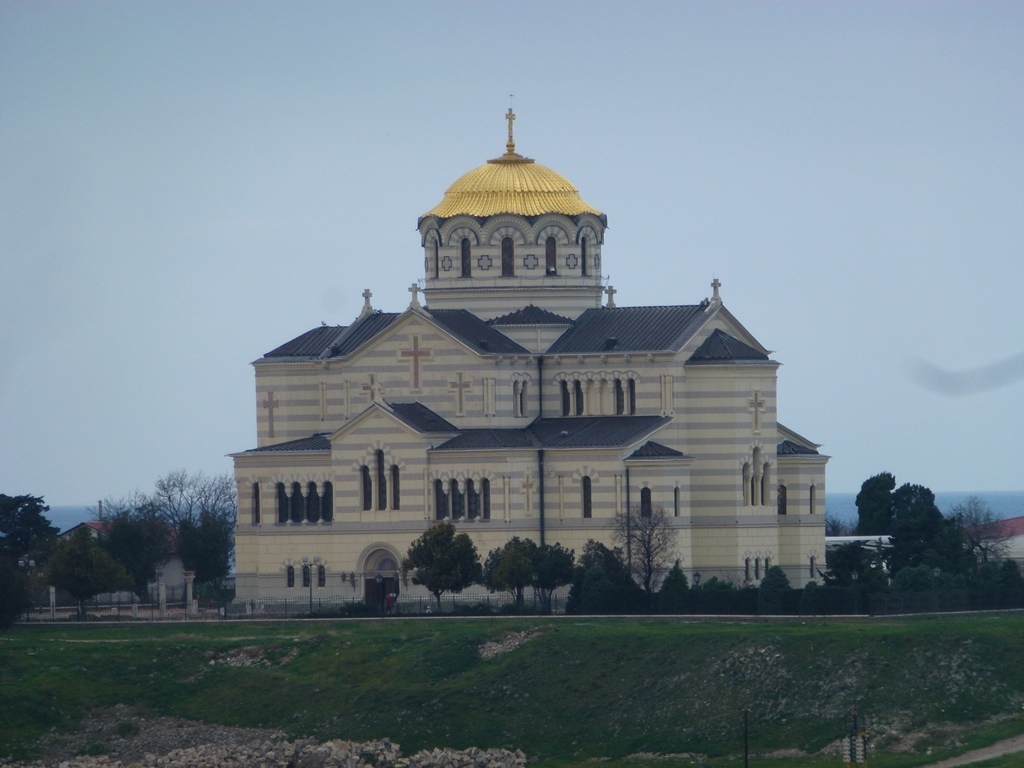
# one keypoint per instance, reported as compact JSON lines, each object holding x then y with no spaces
{"x":510,"y":116}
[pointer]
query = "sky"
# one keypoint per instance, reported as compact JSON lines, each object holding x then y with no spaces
{"x":185,"y":186}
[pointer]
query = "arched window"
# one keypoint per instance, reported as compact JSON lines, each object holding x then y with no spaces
{"x":632,"y":397}
{"x":312,"y":504}
{"x":522,"y":398}
{"x":757,"y":568}
{"x":767,"y":565}
{"x":321,"y":576}
{"x":577,"y":390}
{"x":588,"y":502}
{"x":437,"y":259}
{"x":675,"y":501}
{"x":566,"y":404}
{"x":583,"y":257}
{"x":440,"y":501}
{"x":289,"y":575}
{"x":645,"y":502}
{"x":814,"y":498}
{"x":550,"y":259}
{"x":485,"y":499}
{"x":327,"y":503}
{"x":517,"y":401}
{"x":367,"y":488}
{"x":453,"y":488}
{"x":306,"y":576}
{"x":747,"y":481}
{"x":782,"y":500}
{"x":282,"y":504}
{"x":472,"y":500}
{"x":508,"y":257}
{"x":755,"y":479}
{"x":382,"y":482}
{"x":396,"y":502}
{"x":620,"y":398}
{"x":746,"y":569}
{"x":467,"y":262}
{"x":255,"y":503}
{"x":295,"y":504}
{"x":766,"y":484}
{"x":813,"y":567}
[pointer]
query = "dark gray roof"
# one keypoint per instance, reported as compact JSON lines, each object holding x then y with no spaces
{"x":360,"y":332}
{"x":564,"y":432}
{"x":530,"y":315}
{"x":317,"y":442}
{"x":309,"y":344}
{"x":630,"y":329}
{"x":421,"y":418}
{"x":653,"y":450}
{"x":789,"y":448}
{"x":721,"y":347}
{"x":474,"y":332}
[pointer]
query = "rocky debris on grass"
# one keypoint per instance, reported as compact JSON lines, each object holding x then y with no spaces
{"x":131,"y":740}
{"x":507,"y":643}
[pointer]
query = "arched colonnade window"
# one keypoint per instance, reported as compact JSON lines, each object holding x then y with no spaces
{"x":374,"y":484}
{"x":756,"y":481}
{"x":586,"y":395}
{"x":295,"y":504}
{"x":470,"y":499}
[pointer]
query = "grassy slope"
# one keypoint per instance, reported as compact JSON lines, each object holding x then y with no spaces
{"x":578,"y":689}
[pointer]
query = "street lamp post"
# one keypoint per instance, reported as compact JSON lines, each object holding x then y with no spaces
{"x":307,"y":565}
{"x":379,"y":580}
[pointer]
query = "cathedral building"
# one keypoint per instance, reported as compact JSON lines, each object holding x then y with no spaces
{"x":514,"y":398}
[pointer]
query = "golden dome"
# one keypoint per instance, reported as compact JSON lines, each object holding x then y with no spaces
{"x":511,"y":184}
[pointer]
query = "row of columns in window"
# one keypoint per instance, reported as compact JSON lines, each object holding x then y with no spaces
{"x":508,"y":258}
{"x":315,"y":504}
{"x":375,"y":486}
{"x":307,"y":575}
{"x":783,"y":501}
{"x":469,"y":500}
{"x":598,"y":397}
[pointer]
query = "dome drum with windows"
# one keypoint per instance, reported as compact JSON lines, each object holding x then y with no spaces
{"x":509,"y":227}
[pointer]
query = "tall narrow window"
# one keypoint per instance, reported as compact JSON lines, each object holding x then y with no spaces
{"x":289,"y":575}
{"x":437,"y":259}
{"x":620,"y":398}
{"x":632,"y":397}
{"x":327,"y":504}
{"x":306,"y":576}
{"x":645,"y":502}
{"x":396,"y":502}
{"x":577,"y":390}
{"x":521,"y":397}
{"x":583,"y":257}
{"x":440,"y":501}
{"x":472,"y":500}
{"x":485,"y":499}
{"x":321,"y":576}
{"x":566,"y":405}
{"x":782,"y":499}
{"x":550,"y":260}
{"x":312,"y":504}
{"x":766,"y":484}
{"x":456,"y":500}
{"x":467,"y":262}
{"x":282,"y":504}
{"x":746,"y":569}
{"x":382,"y":482}
{"x":588,"y":508}
{"x":508,"y":257}
{"x":367,"y":488}
{"x":767,"y":565}
{"x":516,"y":387}
{"x":814,"y":498}
{"x":255,"y":503}
{"x":813,"y":567}
{"x":295,"y":504}
{"x":675,"y":501}
{"x":757,"y":567}
{"x":747,"y":480}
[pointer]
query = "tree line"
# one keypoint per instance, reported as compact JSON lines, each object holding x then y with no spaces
{"x":189,"y":515}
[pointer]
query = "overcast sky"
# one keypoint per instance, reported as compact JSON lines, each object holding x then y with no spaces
{"x":185,"y":186}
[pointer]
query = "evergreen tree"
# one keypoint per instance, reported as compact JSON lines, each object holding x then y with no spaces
{"x":874,"y":505}
{"x":83,"y":569}
{"x":674,"y":595}
{"x":442,"y":561}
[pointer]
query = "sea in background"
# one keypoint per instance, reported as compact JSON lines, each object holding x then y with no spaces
{"x":840,"y":505}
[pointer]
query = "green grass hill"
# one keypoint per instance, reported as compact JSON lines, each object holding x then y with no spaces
{"x":564,"y":690}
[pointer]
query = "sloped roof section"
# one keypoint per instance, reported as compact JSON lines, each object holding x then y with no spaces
{"x":653,"y":450}
{"x":359,"y":333}
{"x":530,"y":315}
{"x":475,"y":333}
{"x":721,"y":347}
{"x":421,"y":418}
{"x":568,"y":432}
{"x":317,"y":442}
{"x":630,"y":329}
{"x":309,"y":344}
{"x":790,"y":448}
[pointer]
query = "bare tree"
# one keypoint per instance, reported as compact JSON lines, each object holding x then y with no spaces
{"x":650,"y":540}
{"x":183,"y":497}
{"x":982,"y":537}
{"x":836,"y":526}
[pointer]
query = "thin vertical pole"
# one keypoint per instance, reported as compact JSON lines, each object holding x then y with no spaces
{"x":746,"y":733}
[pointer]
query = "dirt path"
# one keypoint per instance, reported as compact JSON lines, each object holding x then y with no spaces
{"x":1000,"y":748}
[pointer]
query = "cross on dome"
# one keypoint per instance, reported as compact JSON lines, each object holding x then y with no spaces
{"x":511,"y":145}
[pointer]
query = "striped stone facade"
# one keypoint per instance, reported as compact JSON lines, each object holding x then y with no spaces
{"x":368,"y":433}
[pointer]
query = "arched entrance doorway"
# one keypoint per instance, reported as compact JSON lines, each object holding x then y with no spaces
{"x":381,"y":580}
